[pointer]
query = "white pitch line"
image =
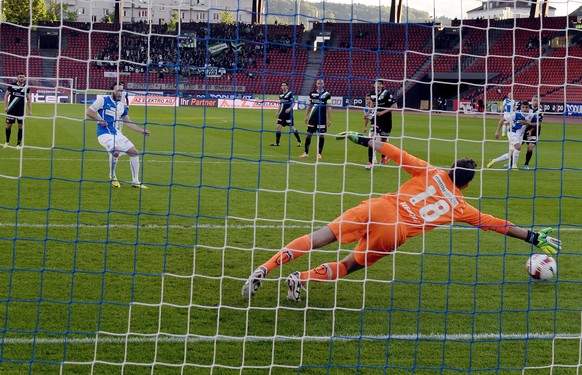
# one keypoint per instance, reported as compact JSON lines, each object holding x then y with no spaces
{"x":163,"y":338}
{"x":151,"y":226}
{"x":213,"y":226}
{"x":202,"y":226}
{"x":169,"y":155}
{"x":195,"y":159}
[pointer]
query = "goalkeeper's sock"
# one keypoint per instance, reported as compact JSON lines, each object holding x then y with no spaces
{"x":297,"y":136}
{"x":307,"y":144}
{"x":528,"y":156}
{"x":8,"y":133}
{"x":325,"y":272}
{"x":321,"y":143}
{"x":278,"y":137}
{"x":293,"y":250}
{"x":19,"y":136}
{"x":370,"y":155}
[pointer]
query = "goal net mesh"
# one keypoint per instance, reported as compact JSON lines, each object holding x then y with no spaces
{"x":98,"y":279}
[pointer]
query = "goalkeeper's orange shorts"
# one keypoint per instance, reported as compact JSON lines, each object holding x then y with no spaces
{"x":373,"y":225}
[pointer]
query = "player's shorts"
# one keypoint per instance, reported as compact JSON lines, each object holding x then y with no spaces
{"x":531,"y":134}
{"x":373,"y":225}
{"x":316,"y":129}
{"x":384,"y":123}
{"x":379,"y":132}
{"x":285,"y":121}
{"x":118,"y":142}
{"x":516,"y":137}
{"x":11,"y":120}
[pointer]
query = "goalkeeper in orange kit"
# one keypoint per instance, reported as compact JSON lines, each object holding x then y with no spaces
{"x":431,"y":198}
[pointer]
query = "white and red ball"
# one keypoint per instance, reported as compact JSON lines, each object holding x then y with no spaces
{"x":541,"y":267}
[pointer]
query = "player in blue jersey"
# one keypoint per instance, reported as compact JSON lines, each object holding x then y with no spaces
{"x":16,"y":99}
{"x":518,"y":124}
{"x":111,"y":114}
{"x":506,"y":117}
{"x":317,"y":117}
{"x":284,"y":114}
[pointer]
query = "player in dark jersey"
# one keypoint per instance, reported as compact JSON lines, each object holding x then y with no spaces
{"x":16,"y":98}
{"x":125,"y":95}
{"x":317,"y":117}
{"x":533,"y":130}
{"x":370,"y":119}
{"x":284,"y":114}
{"x":384,"y":103}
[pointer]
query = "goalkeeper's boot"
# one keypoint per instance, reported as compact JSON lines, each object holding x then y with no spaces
{"x":526,"y":167}
{"x":319,"y":156}
{"x":490,"y":164}
{"x":299,"y":144}
{"x":6,"y":144}
{"x":368,"y":166}
{"x":275,"y":144}
{"x":254,"y":282}
{"x":303,"y":155}
{"x":18,"y":146}
{"x":295,"y":286}
{"x":114,"y":182}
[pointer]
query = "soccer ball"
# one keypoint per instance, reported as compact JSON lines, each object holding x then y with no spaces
{"x":541,"y":267}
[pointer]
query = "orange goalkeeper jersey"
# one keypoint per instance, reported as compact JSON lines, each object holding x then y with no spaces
{"x":430,"y":199}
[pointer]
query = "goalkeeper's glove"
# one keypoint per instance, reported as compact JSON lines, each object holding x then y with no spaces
{"x":541,"y":240}
{"x":354,"y":137}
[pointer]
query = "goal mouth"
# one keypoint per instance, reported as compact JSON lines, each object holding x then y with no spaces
{"x":174,"y":199}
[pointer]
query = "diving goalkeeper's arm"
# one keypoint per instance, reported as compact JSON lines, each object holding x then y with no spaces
{"x":541,"y":239}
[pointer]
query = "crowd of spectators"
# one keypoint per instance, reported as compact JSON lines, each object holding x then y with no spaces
{"x":155,"y":49}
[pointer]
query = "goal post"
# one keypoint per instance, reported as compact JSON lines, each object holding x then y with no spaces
{"x":99,"y":278}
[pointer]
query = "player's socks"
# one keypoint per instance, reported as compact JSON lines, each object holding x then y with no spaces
{"x":293,"y":250}
{"x":515,"y":158}
{"x":307,"y":144}
{"x":19,"y":137}
{"x":8,"y":133}
{"x":528,"y":156}
{"x":321,"y":143}
{"x":296,"y":133}
{"x":325,"y":272}
{"x":370,"y":155}
{"x":278,"y":137}
{"x":501,"y":158}
{"x":134,"y":166}
{"x":112,"y":165}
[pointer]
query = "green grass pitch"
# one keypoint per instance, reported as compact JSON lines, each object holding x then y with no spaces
{"x":101,"y":280}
